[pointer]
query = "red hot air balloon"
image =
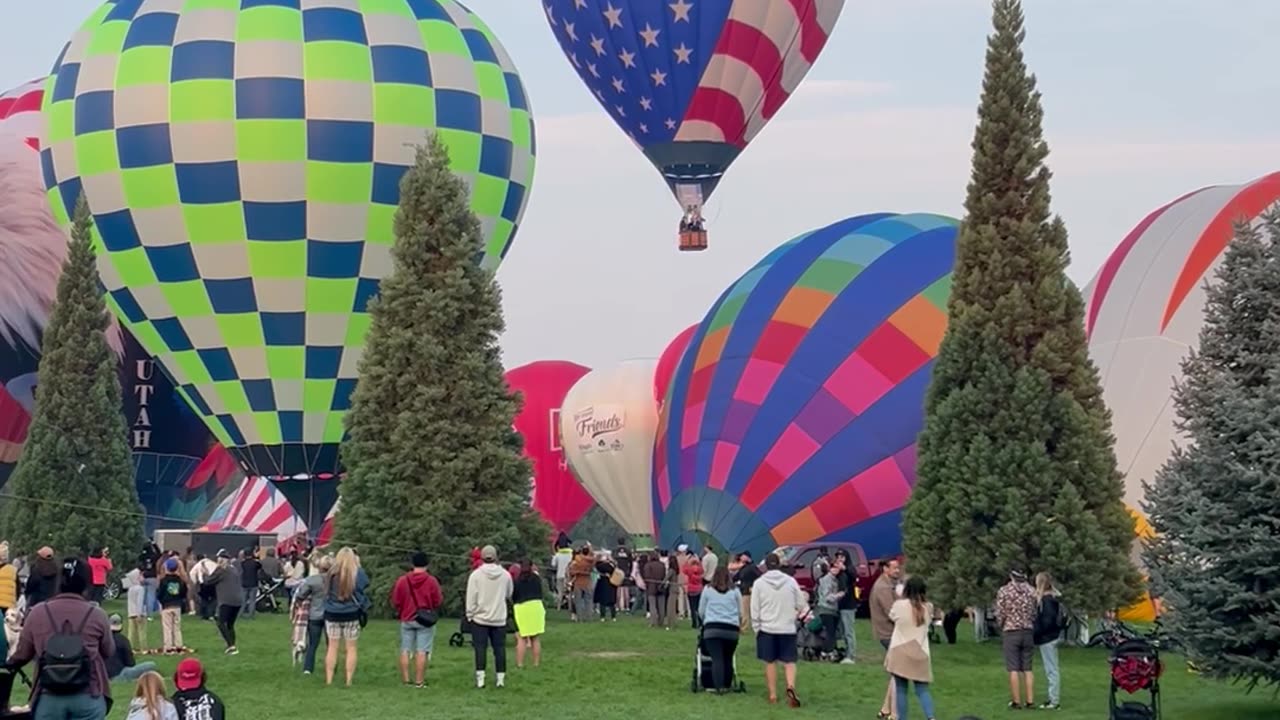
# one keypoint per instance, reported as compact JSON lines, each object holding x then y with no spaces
{"x":557,"y":496}
{"x":668,"y":361}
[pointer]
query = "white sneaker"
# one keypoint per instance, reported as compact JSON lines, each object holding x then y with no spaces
{"x":500,"y":680}
{"x":480,"y":679}
{"x":848,"y":661}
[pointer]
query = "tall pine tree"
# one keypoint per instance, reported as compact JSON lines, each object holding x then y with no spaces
{"x":1215,"y":505}
{"x":73,"y":488}
{"x":1017,"y":467}
{"x":432,"y":459}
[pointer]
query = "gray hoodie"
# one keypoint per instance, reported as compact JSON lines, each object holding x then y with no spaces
{"x":226,"y":585}
{"x":828,"y":586}
{"x":312,"y":589}
{"x":777,"y":604}
{"x":488,"y":590}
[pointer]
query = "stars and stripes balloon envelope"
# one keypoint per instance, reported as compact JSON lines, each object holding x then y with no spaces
{"x":242,"y":162}
{"x":793,"y":414}
{"x":692,"y":81}
{"x":1145,"y":308}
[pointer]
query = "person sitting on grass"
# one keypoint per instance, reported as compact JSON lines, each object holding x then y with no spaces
{"x":193,"y":700}
{"x":149,"y":701}
{"x":121,"y":666}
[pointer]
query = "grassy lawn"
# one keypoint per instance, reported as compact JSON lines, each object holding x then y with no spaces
{"x":627,"y":670}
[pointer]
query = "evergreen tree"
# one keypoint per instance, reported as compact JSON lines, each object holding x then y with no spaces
{"x":431,"y":457}
{"x":1215,"y":505}
{"x":1016,"y":461}
{"x":73,"y":488}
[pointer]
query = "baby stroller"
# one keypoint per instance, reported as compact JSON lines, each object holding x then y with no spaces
{"x":9,"y":678}
{"x":811,"y":637}
{"x":703,"y":679}
{"x":269,"y":591}
{"x":1135,"y":666}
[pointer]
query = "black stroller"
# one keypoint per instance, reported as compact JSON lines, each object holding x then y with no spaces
{"x":1135,"y":667}
{"x":269,"y":592}
{"x":704,"y":680}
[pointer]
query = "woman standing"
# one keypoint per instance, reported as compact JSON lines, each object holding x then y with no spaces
{"x":606,"y":592}
{"x":693,"y":582}
{"x":1048,"y":634}
{"x":345,"y":603}
{"x":720,"y":611}
{"x":531,"y":613}
{"x":674,"y":583}
{"x":311,"y":594}
{"x":908,"y":659}
{"x":99,"y":568}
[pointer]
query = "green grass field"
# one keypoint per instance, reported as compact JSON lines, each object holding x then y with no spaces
{"x":626,"y":670}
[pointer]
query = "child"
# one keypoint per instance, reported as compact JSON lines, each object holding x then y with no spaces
{"x":172,"y":592}
{"x":829,"y":595}
{"x":122,"y":665}
{"x":136,"y":606}
{"x":193,"y":700}
{"x":149,"y":701}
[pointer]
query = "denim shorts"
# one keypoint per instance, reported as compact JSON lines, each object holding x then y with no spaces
{"x":416,"y":639}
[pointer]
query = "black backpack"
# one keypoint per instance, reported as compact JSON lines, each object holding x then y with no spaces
{"x":64,"y":665}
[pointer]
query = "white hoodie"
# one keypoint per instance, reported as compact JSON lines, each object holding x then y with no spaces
{"x":777,"y":604}
{"x":488,"y":590}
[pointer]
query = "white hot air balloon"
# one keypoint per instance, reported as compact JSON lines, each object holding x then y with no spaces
{"x":607,"y":423}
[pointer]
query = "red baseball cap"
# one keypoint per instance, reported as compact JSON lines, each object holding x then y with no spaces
{"x":190,"y":674}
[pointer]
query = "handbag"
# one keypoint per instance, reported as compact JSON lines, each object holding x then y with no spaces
{"x":423,"y":616}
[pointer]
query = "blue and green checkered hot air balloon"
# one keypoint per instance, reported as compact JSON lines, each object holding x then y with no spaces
{"x":242,"y":161}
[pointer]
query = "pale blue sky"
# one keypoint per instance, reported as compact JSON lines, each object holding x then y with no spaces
{"x":1145,"y":100}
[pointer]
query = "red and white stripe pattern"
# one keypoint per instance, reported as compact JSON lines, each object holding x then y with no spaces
{"x":20,"y":113}
{"x":256,"y":507}
{"x":764,"y":51}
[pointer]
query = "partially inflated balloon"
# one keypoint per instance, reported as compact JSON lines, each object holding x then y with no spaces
{"x":242,"y":162}
{"x":557,"y":494}
{"x":793,"y":415}
{"x":667,"y":363}
{"x":607,"y":424}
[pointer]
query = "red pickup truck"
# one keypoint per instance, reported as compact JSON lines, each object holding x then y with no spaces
{"x":798,"y":560}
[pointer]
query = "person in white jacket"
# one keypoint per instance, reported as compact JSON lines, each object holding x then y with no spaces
{"x":488,"y":590}
{"x":777,"y":605}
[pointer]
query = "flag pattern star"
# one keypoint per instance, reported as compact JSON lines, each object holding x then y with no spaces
{"x":692,"y":70}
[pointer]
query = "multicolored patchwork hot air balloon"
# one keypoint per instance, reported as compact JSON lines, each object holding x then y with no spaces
{"x":242,"y":162}
{"x":793,"y":415}
{"x":693,"y":81}
{"x":1144,"y":311}
{"x":557,"y":494}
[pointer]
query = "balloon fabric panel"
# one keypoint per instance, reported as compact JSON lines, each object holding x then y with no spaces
{"x":242,"y":161}
{"x":793,"y":415}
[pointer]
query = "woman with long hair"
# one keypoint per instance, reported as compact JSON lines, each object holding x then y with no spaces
{"x":719,"y":611}
{"x":528,"y":599}
{"x":1049,"y":626}
{"x":908,"y":659}
{"x":150,"y":700}
{"x":345,"y":604}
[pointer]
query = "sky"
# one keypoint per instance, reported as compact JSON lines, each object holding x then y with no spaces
{"x":1144,"y":100}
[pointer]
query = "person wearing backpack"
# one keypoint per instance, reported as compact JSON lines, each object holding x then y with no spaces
{"x":70,"y":640}
{"x":417,"y":599}
{"x":1050,"y":622}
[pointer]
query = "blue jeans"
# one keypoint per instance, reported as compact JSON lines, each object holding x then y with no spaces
{"x":150,"y":604}
{"x":131,"y":674}
{"x":1049,"y":654}
{"x":250,"y":602}
{"x":847,"y":619}
{"x":582,"y":604}
{"x":70,"y":707}
{"x":315,"y":634}
{"x":922,"y":694}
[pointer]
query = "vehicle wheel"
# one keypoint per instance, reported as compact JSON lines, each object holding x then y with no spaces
{"x":112,"y":591}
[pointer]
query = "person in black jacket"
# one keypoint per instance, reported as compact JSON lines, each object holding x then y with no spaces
{"x":250,"y":574}
{"x":193,"y":700}
{"x":528,"y":600}
{"x":173,"y":600}
{"x":1051,"y":620}
{"x":225,"y":581}
{"x":42,"y":581}
{"x":122,"y":666}
{"x":148,"y":560}
{"x":847,"y":604}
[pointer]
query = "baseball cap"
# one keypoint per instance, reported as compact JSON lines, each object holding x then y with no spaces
{"x":171,"y":564}
{"x":190,"y":674}
{"x":489,"y":552}
{"x":116,"y":621}
{"x":222,"y":553}
{"x":1018,"y":575}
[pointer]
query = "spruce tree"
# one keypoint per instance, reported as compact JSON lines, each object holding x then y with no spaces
{"x":432,"y":459}
{"x":73,"y":489}
{"x":1016,"y":460}
{"x":1215,"y":505}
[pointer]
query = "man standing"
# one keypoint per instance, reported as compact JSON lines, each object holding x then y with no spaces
{"x":745,"y":573}
{"x":229,"y":593}
{"x":1016,"y":613}
{"x":777,"y":603}
{"x":709,"y":562}
{"x":488,"y":590}
{"x":847,"y":605}
{"x":74,"y":632}
{"x":416,"y":590}
{"x":250,"y":573}
{"x":883,"y":595}
{"x":148,"y":559}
